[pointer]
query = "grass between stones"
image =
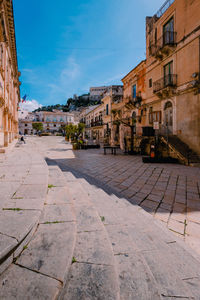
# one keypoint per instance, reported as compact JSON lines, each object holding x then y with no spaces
{"x":13,"y":209}
{"x":102,"y":218}
{"x":54,"y":222}
{"x":74,"y":260}
{"x":50,"y":186}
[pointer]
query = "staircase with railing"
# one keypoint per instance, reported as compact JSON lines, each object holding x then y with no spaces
{"x":175,"y":146}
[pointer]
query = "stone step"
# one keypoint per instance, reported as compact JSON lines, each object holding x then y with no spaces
{"x":22,"y":202}
{"x":152,"y":263}
{"x":93,"y":274}
{"x":39,"y":272}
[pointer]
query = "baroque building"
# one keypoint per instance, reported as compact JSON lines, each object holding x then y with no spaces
{"x":9,"y":76}
{"x":173,"y":70}
{"x":52,"y":122}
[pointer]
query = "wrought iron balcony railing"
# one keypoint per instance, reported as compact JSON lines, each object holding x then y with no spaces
{"x":97,"y":123}
{"x":164,"y":7}
{"x":168,"y":39}
{"x":169,"y":80}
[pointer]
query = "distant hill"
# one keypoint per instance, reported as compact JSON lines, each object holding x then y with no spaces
{"x":72,"y":104}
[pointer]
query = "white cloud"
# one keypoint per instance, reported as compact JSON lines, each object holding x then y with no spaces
{"x":30,"y":105}
{"x":67,"y":76}
{"x":71,"y":71}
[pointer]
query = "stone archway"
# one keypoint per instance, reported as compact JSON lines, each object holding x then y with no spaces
{"x":168,"y":116}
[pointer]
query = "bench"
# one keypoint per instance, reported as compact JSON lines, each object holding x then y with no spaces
{"x":112,"y":148}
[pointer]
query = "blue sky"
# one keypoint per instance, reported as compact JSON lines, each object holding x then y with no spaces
{"x":64,"y":47}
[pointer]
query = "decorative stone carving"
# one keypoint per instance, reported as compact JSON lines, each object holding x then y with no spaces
{"x":6,"y":110}
{"x":2,"y":102}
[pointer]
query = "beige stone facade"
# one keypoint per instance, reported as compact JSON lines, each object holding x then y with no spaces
{"x":94,"y":125}
{"x":173,"y":67}
{"x":133,"y":109}
{"x":9,"y":76}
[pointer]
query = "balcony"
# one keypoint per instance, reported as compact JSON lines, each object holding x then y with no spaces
{"x":97,"y":123}
{"x":133,"y":102}
{"x":164,"y":45}
{"x":117,"y":98}
{"x":165,"y":85}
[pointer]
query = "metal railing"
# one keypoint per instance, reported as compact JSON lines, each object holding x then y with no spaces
{"x":164,"y":7}
{"x":166,"y":81}
{"x":97,"y":123}
{"x":167,"y":39}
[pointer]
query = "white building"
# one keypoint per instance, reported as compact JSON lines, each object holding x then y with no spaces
{"x":97,"y":93}
{"x":52,"y":121}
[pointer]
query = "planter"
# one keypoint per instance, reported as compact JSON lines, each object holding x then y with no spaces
{"x":75,"y":146}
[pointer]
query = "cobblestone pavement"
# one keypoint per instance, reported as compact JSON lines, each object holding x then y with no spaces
{"x":170,"y":192}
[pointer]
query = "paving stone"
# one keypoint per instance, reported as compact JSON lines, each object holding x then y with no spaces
{"x":195,"y":205}
{"x":96,"y":282}
{"x":93,"y":247}
{"x":39,"y":170}
{"x":150,"y":204}
{"x":176,"y":226}
{"x":25,"y":204}
{"x":17,"y":224}
{"x":193,"y":242}
{"x":6,"y":244}
{"x":166,"y":275}
{"x":179,"y":208}
{"x":180,"y":217}
{"x":18,"y":283}
{"x":155,"y":198}
{"x":166,"y":206}
{"x":58,"y":195}
{"x":180,"y":199}
{"x":193,"y":229}
{"x":57,"y":213}
{"x":135,"y":200}
{"x":162,"y":214}
{"x":136,"y":280}
{"x":193,"y":215}
{"x":50,"y":250}
{"x":33,"y":179}
{"x":87,"y":218}
{"x":28,"y":191}
{"x":9,"y":188}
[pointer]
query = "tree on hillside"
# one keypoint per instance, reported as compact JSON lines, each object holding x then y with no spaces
{"x":37,"y":126}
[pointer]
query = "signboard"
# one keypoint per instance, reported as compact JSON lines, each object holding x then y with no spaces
{"x":155,"y":125}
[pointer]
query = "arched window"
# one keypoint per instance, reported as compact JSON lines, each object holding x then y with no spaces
{"x":168,"y":105}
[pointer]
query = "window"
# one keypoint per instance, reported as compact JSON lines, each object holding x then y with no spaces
{"x":168,"y":74}
{"x":156,"y":36}
{"x":25,"y":125}
{"x":54,"y":125}
{"x":150,"y":82}
{"x":107,"y":110}
{"x":154,"y":117}
{"x":134,"y":91}
{"x":168,"y":32}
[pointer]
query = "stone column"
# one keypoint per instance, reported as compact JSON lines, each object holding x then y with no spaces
{"x":5,"y":122}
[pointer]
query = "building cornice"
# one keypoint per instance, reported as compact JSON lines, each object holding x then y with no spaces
{"x":7,"y":31}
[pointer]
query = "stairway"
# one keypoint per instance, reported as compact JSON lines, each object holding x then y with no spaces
{"x":183,"y":152}
{"x":93,"y":245}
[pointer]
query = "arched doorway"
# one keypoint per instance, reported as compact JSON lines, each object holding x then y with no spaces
{"x":168,"y":116}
